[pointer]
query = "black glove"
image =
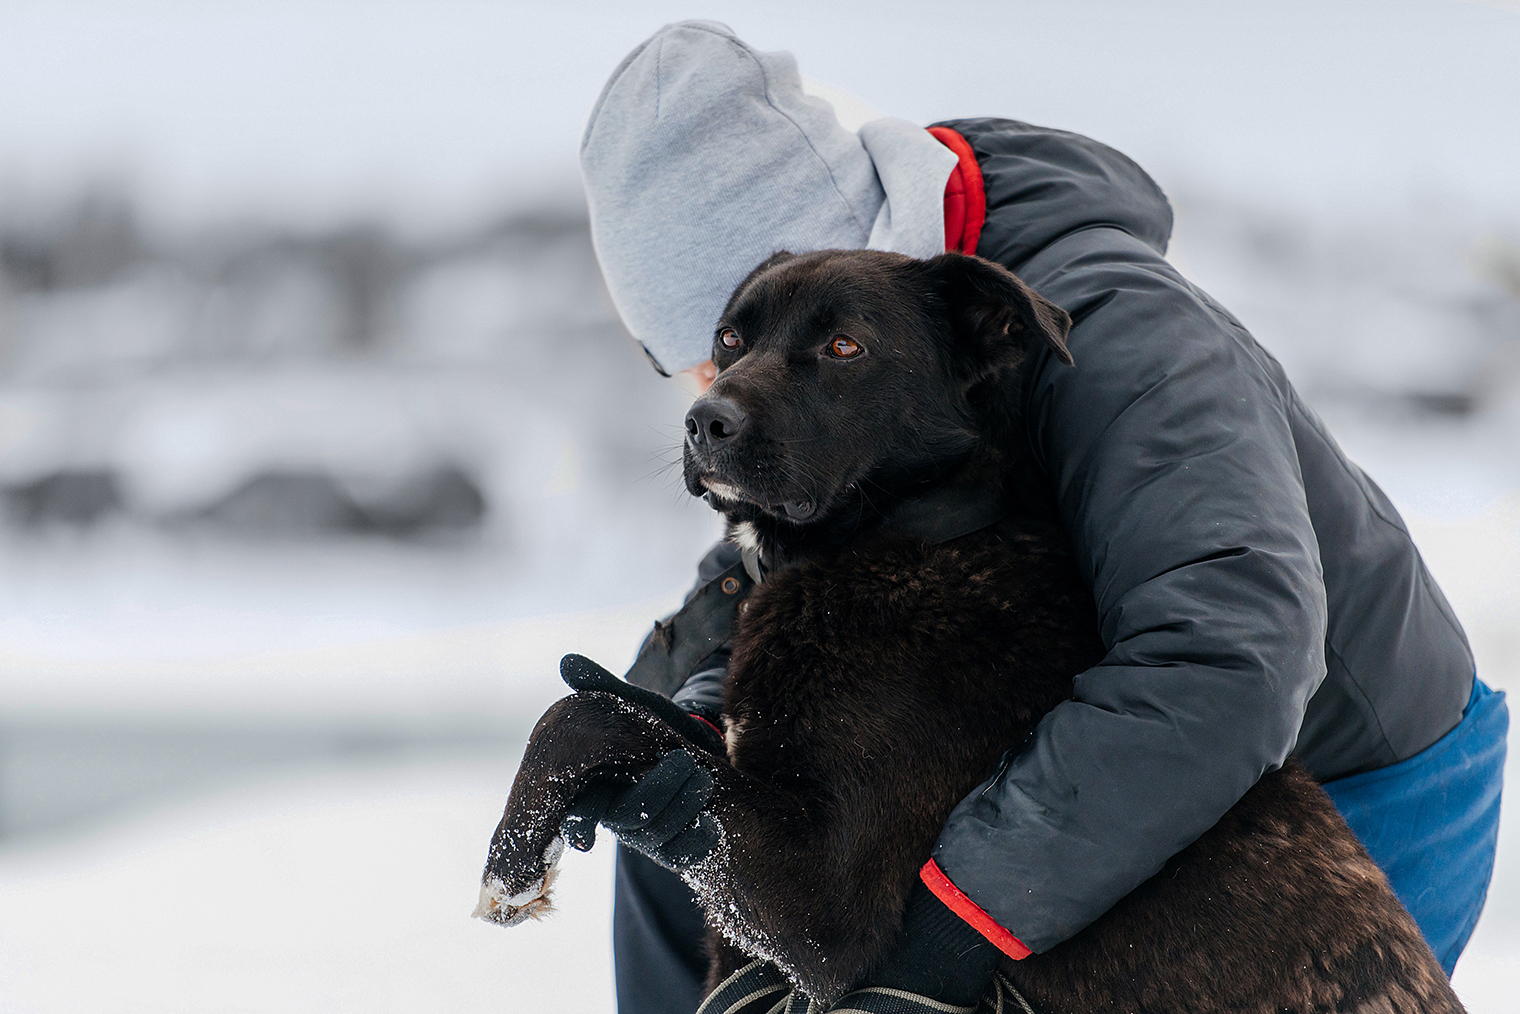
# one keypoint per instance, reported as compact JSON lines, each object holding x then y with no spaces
{"x":938,"y":956}
{"x":660,"y":815}
{"x":582,"y":674}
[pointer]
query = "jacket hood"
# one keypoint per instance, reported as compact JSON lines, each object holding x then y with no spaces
{"x":703,"y":156}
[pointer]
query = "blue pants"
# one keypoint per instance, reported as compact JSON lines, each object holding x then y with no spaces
{"x":1430,"y":822}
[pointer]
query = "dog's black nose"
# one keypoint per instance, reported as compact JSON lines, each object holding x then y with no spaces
{"x":714,"y":421}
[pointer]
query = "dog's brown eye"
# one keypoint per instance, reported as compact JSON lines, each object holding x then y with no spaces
{"x":844,"y":348}
{"x":730,"y":338}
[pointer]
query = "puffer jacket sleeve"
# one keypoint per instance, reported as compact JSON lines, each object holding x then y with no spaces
{"x":1169,"y":449}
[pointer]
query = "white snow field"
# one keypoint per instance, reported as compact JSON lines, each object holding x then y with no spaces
{"x":346,"y":889}
{"x":349,"y":890}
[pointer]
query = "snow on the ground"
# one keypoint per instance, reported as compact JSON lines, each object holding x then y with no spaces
{"x":342,"y":669}
{"x":1490,"y":968}
{"x":342,"y":890}
{"x":1476,"y":558}
{"x":349,"y":889}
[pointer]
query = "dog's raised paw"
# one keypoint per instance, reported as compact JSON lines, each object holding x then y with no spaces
{"x":500,"y":905}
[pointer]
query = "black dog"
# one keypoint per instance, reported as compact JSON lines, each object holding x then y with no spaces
{"x":915,"y":621}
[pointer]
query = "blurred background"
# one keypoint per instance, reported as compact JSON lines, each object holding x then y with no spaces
{"x":320,"y":442}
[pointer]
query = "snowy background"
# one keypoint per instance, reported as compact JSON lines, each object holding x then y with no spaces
{"x":311,"y":407}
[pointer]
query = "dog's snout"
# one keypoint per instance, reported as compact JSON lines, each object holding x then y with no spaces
{"x":714,"y":421}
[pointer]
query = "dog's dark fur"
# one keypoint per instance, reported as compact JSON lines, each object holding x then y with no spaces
{"x":877,"y":677}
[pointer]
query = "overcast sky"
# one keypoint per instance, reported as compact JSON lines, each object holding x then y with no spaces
{"x":431,"y":112}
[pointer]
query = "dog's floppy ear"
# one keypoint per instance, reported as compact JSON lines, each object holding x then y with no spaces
{"x":996,"y":318}
{"x":779,"y":257}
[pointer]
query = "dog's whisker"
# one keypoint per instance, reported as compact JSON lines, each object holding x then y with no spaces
{"x":664,"y":471}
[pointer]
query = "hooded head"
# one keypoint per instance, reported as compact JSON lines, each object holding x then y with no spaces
{"x":703,"y":156}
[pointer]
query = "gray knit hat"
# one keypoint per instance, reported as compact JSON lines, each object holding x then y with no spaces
{"x":703,"y":156}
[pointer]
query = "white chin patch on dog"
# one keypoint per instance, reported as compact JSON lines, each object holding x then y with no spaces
{"x":504,"y":909}
{"x":724,"y":490}
{"x":745,"y":536}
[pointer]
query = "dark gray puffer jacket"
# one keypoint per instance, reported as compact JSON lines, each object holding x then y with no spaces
{"x":1259,"y":595}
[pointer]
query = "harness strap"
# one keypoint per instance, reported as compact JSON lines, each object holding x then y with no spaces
{"x":1004,"y":986}
{"x":757,"y":988}
{"x":760,"y":988}
{"x":881,"y":1000}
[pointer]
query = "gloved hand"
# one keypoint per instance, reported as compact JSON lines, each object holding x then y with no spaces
{"x":581,"y":674}
{"x":938,"y":956}
{"x":660,"y":815}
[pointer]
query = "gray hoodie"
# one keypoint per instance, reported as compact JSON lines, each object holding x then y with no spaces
{"x":704,"y":156}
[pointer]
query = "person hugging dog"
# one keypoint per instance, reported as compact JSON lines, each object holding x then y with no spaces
{"x":1259,"y":596}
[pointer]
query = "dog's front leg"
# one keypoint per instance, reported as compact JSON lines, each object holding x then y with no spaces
{"x":790,"y":883}
{"x":772,"y":884}
{"x":582,"y":738}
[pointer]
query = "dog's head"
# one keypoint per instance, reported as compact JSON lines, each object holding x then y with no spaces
{"x":846,"y":378}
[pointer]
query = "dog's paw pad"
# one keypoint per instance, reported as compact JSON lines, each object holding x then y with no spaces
{"x":499,"y":905}
{"x":508,"y":910}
